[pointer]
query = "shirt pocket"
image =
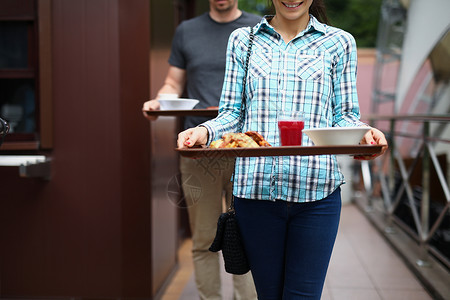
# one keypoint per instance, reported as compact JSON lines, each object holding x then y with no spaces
{"x":260,"y":63}
{"x":309,"y":66}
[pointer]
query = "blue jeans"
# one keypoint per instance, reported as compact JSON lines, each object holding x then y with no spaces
{"x":288,"y":244}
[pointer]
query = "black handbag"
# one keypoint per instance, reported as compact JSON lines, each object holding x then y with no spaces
{"x":228,"y":237}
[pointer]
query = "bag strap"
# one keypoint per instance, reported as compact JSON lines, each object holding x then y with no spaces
{"x":244,"y":80}
{"x":244,"y":98}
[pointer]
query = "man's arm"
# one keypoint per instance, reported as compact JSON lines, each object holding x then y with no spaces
{"x":173,"y":84}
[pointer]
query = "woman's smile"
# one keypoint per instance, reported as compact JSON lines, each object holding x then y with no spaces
{"x":292,"y":5}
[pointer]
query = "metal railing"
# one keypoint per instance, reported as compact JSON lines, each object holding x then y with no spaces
{"x":393,"y":177}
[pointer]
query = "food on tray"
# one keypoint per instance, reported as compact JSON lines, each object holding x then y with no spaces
{"x":250,"y":139}
{"x":258,"y":138}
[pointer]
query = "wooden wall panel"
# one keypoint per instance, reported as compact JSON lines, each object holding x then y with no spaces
{"x":86,"y":233}
{"x":45,"y":73}
{"x":134,"y":30}
{"x":18,"y":9}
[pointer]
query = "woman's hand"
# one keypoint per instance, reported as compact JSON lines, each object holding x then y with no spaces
{"x":192,"y":136}
{"x":373,"y":137}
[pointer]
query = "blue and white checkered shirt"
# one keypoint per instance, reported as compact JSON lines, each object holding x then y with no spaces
{"x":315,"y":73}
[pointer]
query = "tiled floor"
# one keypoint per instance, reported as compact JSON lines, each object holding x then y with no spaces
{"x":363,"y":267}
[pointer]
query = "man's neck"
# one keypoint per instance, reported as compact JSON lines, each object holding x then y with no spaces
{"x":225,"y":16}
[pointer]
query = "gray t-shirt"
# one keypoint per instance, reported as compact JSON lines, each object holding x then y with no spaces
{"x":199,"y":47}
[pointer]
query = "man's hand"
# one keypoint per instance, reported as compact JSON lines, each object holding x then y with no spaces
{"x":173,"y":84}
{"x":149,"y":106}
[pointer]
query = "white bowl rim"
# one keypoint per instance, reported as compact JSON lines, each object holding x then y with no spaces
{"x":337,"y":128}
{"x":178,"y":104}
{"x":180,"y":99}
{"x":327,"y":135}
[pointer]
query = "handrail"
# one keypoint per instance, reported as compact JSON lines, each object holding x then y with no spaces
{"x":382,"y":171}
{"x":415,"y":118}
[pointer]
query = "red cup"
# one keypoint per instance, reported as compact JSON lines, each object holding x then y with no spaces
{"x":290,"y":126}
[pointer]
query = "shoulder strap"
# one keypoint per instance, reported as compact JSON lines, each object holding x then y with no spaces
{"x":244,"y":81}
{"x":244,"y":98}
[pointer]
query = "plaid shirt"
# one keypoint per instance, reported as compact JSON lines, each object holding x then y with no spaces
{"x":315,"y":73}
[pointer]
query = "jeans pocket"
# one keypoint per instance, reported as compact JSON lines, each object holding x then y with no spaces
{"x":309,"y":66}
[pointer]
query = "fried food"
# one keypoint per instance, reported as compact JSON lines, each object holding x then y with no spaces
{"x":239,"y":140}
{"x":216,"y":144}
{"x":250,"y":139}
{"x":257,"y":137}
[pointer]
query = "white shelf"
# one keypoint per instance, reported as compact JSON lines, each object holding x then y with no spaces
{"x":18,"y":160}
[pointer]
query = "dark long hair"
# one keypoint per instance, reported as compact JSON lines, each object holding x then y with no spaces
{"x":317,"y":9}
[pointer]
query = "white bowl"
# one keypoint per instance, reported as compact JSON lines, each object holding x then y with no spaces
{"x":336,"y":136}
{"x":177,"y":104}
{"x":167,"y":96}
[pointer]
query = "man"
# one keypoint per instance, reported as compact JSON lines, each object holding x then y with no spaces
{"x":197,"y":64}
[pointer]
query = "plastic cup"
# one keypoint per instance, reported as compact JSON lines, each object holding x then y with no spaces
{"x":290,"y":125}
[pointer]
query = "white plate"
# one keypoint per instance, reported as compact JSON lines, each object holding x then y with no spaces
{"x":177,"y":104}
{"x":335,"y":136}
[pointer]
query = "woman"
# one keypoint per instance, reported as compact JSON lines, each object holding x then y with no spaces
{"x":288,"y":207}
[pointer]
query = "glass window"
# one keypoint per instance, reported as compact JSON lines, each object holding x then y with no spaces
{"x":13,"y":45}
{"x":25,"y":86}
{"x":18,"y":77}
{"x":18,"y":104}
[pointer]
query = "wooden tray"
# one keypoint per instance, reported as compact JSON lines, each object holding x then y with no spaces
{"x":280,"y":151}
{"x":207,"y":112}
